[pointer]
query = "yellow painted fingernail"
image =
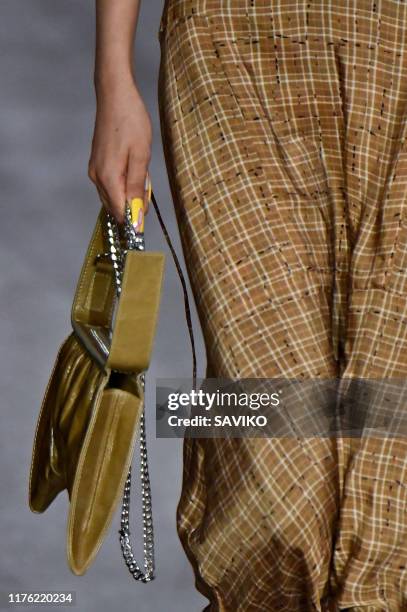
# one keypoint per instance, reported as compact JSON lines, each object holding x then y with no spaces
{"x":137,"y":214}
{"x":147,"y":187}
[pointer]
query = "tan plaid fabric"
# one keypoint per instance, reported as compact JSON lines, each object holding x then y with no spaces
{"x":284,"y":130}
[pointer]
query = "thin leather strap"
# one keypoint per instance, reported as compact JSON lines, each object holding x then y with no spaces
{"x":183,"y":283}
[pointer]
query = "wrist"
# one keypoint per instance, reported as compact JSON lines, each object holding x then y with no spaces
{"x":111,"y":81}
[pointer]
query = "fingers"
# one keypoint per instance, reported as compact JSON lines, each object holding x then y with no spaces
{"x":104,"y":198}
{"x":122,"y":182}
{"x":137,"y":178}
{"x":147,"y":192}
{"x":110,"y":183}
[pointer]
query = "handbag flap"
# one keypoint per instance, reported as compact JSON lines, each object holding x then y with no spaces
{"x":101,"y":473}
{"x":137,"y":313}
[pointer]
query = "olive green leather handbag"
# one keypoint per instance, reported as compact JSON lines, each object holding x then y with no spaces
{"x":93,"y":407}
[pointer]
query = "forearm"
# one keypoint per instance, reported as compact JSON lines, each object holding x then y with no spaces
{"x":116,"y":22}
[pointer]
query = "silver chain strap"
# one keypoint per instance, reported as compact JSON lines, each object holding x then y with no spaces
{"x":134,"y":241}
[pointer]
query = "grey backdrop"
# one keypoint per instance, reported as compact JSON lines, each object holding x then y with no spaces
{"x":48,"y":209}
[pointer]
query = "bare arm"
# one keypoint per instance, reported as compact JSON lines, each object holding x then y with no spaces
{"x":121,"y":146}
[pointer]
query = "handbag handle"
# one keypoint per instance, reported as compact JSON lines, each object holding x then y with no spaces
{"x":137,"y":242}
{"x":145,"y":575}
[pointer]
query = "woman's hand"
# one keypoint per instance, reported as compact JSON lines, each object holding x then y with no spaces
{"x":121,"y":147}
